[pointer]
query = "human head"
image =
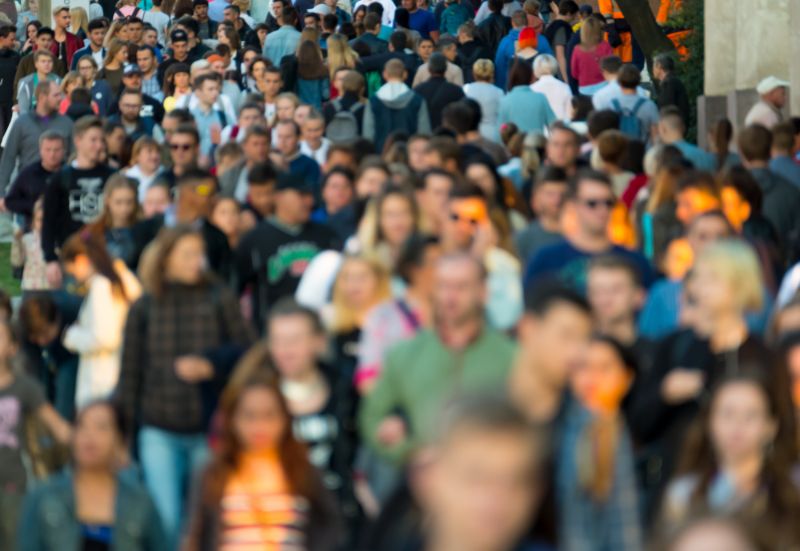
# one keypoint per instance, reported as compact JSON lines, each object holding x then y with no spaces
{"x":629,"y":76}
{"x":88,"y":138}
{"x":196,"y":188}
{"x":394,"y":71}
{"x":483,"y":70}
{"x":261,"y":187}
{"x":184,"y":146}
{"x":555,"y":330}
{"x":697,"y":192}
{"x":485,"y":479}
{"x":338,"y":189}
{"x":313,"y":128}
{"x":727,"y":277}
{"x":708,"y":228}
{"x":614,"y":290}
{"x":61,"y":18}
{"x":437,"y":64}
{"x":99,"y":438}
{"x":156,"y":201}
{"x":601,"y":384}
{"x":710,"y":534}
{"x":521,"y":74}
{"x":549,"y":191}
{"x":51,"y":150}
{"x":130,"y":104}
{"x":288,"y":137}
{"x":741,"y":196}
{"x":120,"y":203}
{"x":460,"y":293}
{"x":425,"y":49}
{"x":593,"y":197}
{"x":44,"y":38}
{"x":207,"y":88}
{"x":256,"y":144}
{"x":592,"y":32}
{"x":43,"y":61}
{"x":178,"y":256}
{"x":773,"y":91}
{"x":610,"y":67}
{"x":361,"y":283}
{"x":433,"y":195}
{"x":293,"y":200}
{"x":755,"y":145}
{"x":39,"y":319}
{"x":563,"y":147}
{"x":663,"y":66}
{"x":8,"y":35}
{"x":600,"y":121}
{"x":285,"y":106}
{"x":48,"y":96}
{"x":84,"y":254}
{"x":783,"y":139}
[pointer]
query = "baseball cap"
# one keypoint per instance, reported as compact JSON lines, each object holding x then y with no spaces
{"x":769,"y":84}
{"x":178,"y":35}
{"x":288,"y":181}
{"x":131,"y":69}
{"x":320,"y":9}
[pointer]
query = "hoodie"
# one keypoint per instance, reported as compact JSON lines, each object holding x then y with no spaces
{"x":395,"y":107}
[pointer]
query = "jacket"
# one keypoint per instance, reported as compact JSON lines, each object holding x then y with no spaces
{"x":453,"y":17}
{"x":672,"y":92}
{"x":469,"y":53}
{"x":421,"y":374}
{"x":781,"y":205}
{"x":9,"y":59}
{"x":23,"y":142}
{"x":26,"y":67}
{"x":26,"y":189}
{"x":26,"y":90}
{"x":438,"y":94}
{"x":48,"y":521}
{"x":229,"y":180}
{"x":314,"y":92}
{"x":376,"y":45}
{"x":97,"y":335}
{"x":86,"y":50}
{"x":377,"y":62}
{"x":395,"y":107}
{"x":201,"y":319}
{"x":492,"y":30}
{"x":73,"y":45}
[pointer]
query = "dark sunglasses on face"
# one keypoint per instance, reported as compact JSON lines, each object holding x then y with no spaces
{"x":595,"y":203}
{"x":455,"y":217}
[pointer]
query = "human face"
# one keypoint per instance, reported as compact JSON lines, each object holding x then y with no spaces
{"x":284,"y":109}
{"x":425,"y":49}
{"x":313,"y":130}
{"x":129,"y":107}
{"x":562,"y":150}
{"x":548,"y":198}
{"x":201,"y":12}
{"x":181,"y":81}
{"x":715,"y":292}
{"x":180,"y":49}
{"x":122,"y":56}
{"x":293,"y":345}
{"x":156,"y":201}
{"x":594,"y":202}
{"x":339,"y":158}
{"x":219,"y":67}
{"x":602,"y":381}
{"x":135,"y":32}
{"x":8,"y":41}
{"x":301,"y":114}
{"x":145,"y":60}
{"x":91,"y":145}
{"x":222,"y":36}
{"x":463,"y":217}
{"x":115,"y":142}
{"x":410,"y":5}
{"x":183,"y":149}
{"x":256,"y":149}
{"x":371,"y":182}
{"x":741,"y":426}
{"x":713,"y":535}
{"x":337,"y":193}
{"x":229,"y":15}
{"x":53,"y":99}
{"x":293,"y":207}
{"x":62,"y":20}
{"x":358,"y":284}
{"x":396,"y":220}
{"x":423,"y":276}
{"x":287,"y":139}
{"x":52,"y":154}
{"x":259,"y":422}
{"x":262,"y":35}
{"x":249,"y":117}
{"x":43,"y":42}
{"x":30,"y":32}
{"x":86,"y":70}
{"x":736,"y":209}
{"x":272,"y":85}
{"x":262,"y":198}
{"x":149,"y":159}
{"x":95,"y":441}
{"x":96,"y":37}
{"x":44,"y":65}
{"x":187,"y":260}
{"x":150,"y":38}
{"x":310,"y":22}
{"x":558,"y":339}
{"x":692,"y":202}
{"x":338,"y":81}
{"x":225,"y":216}
{"x":483,"y":489}
{"x":418,"y":155}
{"x":459,"y":293}
{"x":277,"y":8}
{"x":208,"y":92}
{"x":777,"y":97}
{"x":705,"y":231}
{"x":614,"y":297}
{"x":121,"y":204}
{"x":482,"y":177}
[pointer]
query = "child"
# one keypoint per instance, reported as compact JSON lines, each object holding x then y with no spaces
{"x":120,"y":213}
{"x":27,"y":253}
{"x":21,"y":399}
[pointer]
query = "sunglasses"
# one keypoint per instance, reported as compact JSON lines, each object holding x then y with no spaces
{"x":180,"y":147}
{"x":596,"y":203}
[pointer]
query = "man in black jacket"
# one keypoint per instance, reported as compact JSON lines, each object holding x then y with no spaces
{"x":398,"y":42}
{"x":671,"y":91}
{"x":32,"y":179}
{"x":9,"y":59}
{"x":470,"y":49}
{"x":372,"y":26}
{"x":437,"y":92}
{"x":495,"y":27}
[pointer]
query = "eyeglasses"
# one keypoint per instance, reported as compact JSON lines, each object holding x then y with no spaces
{"x":181,"y":146}
{"x":596,"y":203}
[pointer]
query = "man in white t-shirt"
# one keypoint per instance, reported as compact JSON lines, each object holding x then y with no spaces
{"x":767,"y":112}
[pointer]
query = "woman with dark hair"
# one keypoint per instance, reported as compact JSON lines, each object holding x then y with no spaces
{"x":500,"y":192}
{"x":529,"y":110}
{"x":177,"y":83}
{"x":313,"y":83}
{"x":740,"y":458}
{"x":113,"y":65}
{"x":97,"y":333}
{"x":93,"y":505}
{"x":181,"y":341}
{"x":120,"y":213}
{"x":260,"y":488}
{"x":719,"y":140}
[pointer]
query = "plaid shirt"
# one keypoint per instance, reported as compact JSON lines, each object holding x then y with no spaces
{"x":196,"y":320}
{"x":585,"y":524}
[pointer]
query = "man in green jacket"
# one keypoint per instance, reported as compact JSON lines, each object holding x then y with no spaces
{"x":460,"y":354}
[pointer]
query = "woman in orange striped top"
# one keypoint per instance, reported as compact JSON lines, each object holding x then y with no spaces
{"x":260,"y":492}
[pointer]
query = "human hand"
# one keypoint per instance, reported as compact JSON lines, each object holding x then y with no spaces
{"x":193,"y":369}
{"x":216,"y":134}
{"x":53,"y":274}
{"x":682,"y":385}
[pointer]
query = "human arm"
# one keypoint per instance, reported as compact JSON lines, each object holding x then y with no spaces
{"x":10,"y":154}
{"x":561,"y":56}
{"x":133,"y":359}
{"x":100,"y":330}
{"x":56,"y":424}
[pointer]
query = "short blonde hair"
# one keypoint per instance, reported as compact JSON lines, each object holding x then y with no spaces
{"x":483,"y":70}
{"x":735,"y":261}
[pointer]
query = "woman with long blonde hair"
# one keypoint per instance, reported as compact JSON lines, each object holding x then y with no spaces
{"x":79,"y":22}
{"x":114,"y":64}
{"x":340,"y":54}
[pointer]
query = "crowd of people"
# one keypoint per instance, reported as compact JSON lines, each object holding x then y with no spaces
{"x":389,"y":277}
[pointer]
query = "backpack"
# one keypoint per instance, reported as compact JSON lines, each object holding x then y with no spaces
{"x":344,"y":125}
{"x":629,"y":123}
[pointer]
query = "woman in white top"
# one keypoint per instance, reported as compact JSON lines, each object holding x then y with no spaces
{"x":488,"y":96}
{"x":97,"y":334}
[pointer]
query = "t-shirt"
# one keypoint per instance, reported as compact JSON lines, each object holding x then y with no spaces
{"x":570,"y":265}
{"x":528,"y":241}
{"x":18,"y":401}
{"x":423,"y":22}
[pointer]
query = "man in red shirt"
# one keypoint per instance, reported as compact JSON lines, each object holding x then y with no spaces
{"x":65,"y":44}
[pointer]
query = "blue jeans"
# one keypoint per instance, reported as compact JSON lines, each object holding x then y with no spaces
{"x":169,"y":460}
